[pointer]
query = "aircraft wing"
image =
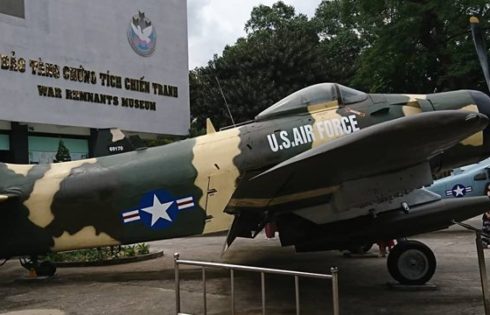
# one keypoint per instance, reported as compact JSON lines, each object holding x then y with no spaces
{"x":397,"y":151}
{"x":371,"y":166}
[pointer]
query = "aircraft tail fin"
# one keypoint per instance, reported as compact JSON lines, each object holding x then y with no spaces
{"x":113,"y":141}
{"x":209,"y":126}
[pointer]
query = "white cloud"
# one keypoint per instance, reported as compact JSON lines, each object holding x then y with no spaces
{"x":213,"y":24}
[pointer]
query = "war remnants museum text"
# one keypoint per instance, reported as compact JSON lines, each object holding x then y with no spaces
{"x":10,"y":62}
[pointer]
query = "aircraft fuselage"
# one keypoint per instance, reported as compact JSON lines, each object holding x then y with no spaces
{"x":183,"y":188}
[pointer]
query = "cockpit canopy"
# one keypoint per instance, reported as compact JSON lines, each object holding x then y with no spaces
{"x":313,"y":95}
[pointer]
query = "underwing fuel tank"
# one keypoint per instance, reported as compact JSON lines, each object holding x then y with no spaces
{"x":429,"y":217}
{"x":393,"y":224}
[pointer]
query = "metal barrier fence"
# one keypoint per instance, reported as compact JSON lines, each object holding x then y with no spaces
{"x":263,"y":271}
{"x":481,"y":263}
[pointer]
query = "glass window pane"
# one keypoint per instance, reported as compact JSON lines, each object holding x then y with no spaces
{"x":312,"y":95}
{"x":480,"y":176}
{"x":4,"y":142}
{"x":350,"y":95}
{"x":44,"y":149}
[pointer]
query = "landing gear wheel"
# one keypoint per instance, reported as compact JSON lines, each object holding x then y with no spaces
{"x":45,"y":269}
{"x":411,"y":262}
{"x":40,"y":269}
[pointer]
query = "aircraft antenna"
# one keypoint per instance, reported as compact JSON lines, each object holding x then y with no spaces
{"x":226,"y":103}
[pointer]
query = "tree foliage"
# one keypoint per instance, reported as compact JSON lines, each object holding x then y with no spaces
{"x":278,"y":56}
{"x":416,"y":46}
{"x":63,"y":154}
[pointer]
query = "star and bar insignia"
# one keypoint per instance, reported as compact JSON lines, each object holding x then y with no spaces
{"x":458,"y":191}
{"x":157,"y":209}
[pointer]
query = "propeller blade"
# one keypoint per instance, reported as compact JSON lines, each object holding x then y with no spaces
{"x":480,"y":46}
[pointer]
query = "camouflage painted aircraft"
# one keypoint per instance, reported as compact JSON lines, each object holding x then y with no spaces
{"x":330,"y":166}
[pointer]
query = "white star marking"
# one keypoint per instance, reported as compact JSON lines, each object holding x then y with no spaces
{"x":459,"y":191}
{"x":158,"y":210}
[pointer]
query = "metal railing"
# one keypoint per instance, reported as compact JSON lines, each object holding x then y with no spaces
{"x":481,"y":263}
{"x":296,"y":274}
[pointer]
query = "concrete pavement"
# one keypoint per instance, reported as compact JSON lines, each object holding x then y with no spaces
{"x":148,"y":287}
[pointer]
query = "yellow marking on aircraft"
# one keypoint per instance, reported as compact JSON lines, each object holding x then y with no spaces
{"x":471,"y":108}
{"x":320,"y":132}
{"x":477,"y":138}
{"x":414,"y":97}
{"x":209,"y":126}
{"x":411,"y":109}
{"x":86,"y":237}
{"x":213,"y":157}
{"x":41,"y":198}
{"x":20,"y":169}
{"x":322,"y":106}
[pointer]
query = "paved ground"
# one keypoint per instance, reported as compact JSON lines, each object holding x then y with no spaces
{"x":148,"y":287}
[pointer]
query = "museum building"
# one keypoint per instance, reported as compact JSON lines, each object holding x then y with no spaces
{"x":70,"y":68}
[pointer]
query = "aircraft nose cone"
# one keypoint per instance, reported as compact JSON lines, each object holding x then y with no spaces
{"x":482,"y":101}
{"x":479,"y":118}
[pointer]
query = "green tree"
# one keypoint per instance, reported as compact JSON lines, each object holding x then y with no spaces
{"x":265,"y":18}
{"x":63,"y":153}
{"x":279,"y":55}
{"x":413,"y":45}
{"x":340,"y":42}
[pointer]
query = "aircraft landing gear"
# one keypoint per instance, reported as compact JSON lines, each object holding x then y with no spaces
{"x":411,"y":263}
{"x":37,"y":268}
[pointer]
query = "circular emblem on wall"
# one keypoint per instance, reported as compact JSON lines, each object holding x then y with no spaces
{"x":142,"y":36}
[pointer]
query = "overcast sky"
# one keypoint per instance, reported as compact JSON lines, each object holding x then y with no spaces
{"x":215,"y":23}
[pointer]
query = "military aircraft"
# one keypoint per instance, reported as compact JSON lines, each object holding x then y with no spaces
{"x":471,"y":180}
{"x":332,"y":167}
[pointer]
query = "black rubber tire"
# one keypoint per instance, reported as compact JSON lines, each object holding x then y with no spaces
{"x":411,"y":263}
{"x":46,"y":269}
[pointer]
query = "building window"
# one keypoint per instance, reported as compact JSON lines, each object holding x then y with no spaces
{"x":43,"y":149}
{"x":13,"y":7}
{"x":4,"y":142}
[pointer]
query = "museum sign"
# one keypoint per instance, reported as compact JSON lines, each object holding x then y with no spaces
{"x":89,"y":77}
{"x":115,"y":77}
